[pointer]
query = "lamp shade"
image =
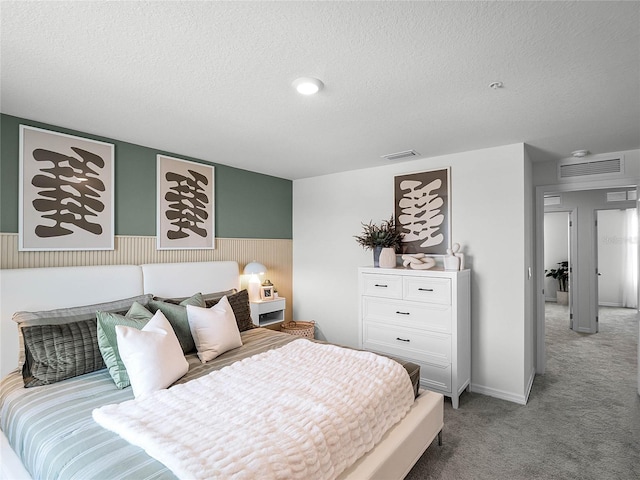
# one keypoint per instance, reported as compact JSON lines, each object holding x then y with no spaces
{"x":254,"y":268}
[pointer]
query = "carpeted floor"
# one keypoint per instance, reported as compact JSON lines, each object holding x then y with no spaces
{"x":582,"y":420}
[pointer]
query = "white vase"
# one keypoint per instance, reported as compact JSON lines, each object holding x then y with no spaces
{"x":388,"y":258}
{"x":562,"y":298}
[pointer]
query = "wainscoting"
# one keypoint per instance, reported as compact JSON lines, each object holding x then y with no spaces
{"x":275,"y":254}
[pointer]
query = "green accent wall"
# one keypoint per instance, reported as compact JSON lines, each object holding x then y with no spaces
{"x":247,"y":204}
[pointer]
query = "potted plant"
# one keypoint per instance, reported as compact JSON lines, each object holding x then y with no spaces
{"x":561,"y":275}
{"x":383,"y":239}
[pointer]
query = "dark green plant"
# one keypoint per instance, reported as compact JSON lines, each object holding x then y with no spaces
{"x":561,"y":274}
{"x":384,"y":235}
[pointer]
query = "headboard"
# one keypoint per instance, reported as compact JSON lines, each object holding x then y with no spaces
{"x":185,"y":279}
{"x":35,"y":289}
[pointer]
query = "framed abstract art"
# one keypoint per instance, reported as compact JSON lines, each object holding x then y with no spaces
{"x":423,"y":211}
{"x":66,"y":192}
{"x":185,"y":204}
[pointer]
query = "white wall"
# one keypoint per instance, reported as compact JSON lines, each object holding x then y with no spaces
{"x":488,"y":220}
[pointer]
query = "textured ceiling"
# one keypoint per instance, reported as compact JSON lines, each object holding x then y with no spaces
{"x":212,"y":80}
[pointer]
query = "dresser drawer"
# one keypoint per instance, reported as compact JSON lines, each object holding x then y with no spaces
{"x":429,"y":290}
{"x":406,"y":342}
{"x":435,"y":377}
{"x":435,"y":317}
{"x":386,"y":286}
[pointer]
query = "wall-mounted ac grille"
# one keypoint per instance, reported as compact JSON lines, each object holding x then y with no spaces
{"x":590,"y":168}
{"x":400,"y":155}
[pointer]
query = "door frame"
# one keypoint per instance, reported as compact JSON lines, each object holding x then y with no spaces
{"x":541,"y":191}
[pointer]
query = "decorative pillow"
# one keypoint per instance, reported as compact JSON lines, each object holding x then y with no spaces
{"x":136,"y":317}
{"x":177,"y":317}
{"x":153,"y":356}
{"x":70,"y":315}
{"x":57,"y":352}
{"x":210,"y":299}
{"x":241,"y":309}
{"x":214,"y":329}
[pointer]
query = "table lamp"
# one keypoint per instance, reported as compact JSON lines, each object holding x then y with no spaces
{"x":253,"y":286}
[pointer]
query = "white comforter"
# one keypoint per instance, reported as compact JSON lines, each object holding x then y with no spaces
{"x":302,"y":411}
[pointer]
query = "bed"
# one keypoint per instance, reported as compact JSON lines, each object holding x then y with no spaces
{"x":85,"y":449}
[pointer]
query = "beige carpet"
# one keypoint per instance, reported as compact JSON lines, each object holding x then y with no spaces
{"x":582,"y":420}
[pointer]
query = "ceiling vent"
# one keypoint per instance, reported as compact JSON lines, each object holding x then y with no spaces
{"x":593,"y":168}
{"x":401,"y":155}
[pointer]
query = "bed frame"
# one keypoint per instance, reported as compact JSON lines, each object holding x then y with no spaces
{"x":35,"y":289}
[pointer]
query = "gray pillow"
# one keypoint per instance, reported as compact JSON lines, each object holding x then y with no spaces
{"x":177,"y":316}
{"x":207,"y":297}
{"x":241,"y":309}
{"x":57,"y":352}
{"x":136,"y":317}
{"x":62,"y":316}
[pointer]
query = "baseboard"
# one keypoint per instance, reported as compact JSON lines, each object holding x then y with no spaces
{"x":501,"y":394}
{"x":609,"y":304}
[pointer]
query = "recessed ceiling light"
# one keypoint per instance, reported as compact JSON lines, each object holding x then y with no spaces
{"x":580,"y":153}
{"x":307,"y":85}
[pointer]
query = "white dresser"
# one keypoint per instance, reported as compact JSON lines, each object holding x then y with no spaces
{"x":422,"y":316}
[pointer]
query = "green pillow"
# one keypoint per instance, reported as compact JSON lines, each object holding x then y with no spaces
{"x":177,"y":316}
{"x":136,"y":317}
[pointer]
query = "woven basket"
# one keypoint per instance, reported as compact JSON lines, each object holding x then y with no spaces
{"x":301,"y":329}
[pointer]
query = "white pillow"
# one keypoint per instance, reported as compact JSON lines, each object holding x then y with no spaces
{"x":152,"y":356}
{"x":214,"y":330}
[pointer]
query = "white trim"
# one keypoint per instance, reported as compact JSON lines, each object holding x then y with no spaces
{"x":610,"y":304}
{"x":501,"y":394}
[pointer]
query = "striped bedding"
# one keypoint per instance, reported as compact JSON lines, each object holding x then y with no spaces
{"x":53,"y":433}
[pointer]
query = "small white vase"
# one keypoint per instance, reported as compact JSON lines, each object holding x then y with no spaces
{"x":388,"y":258}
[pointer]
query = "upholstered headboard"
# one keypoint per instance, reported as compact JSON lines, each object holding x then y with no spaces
{"x":185,"y":279}
{"x":35,"y":289}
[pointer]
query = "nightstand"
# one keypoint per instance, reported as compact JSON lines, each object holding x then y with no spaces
{"x":268,"y":312}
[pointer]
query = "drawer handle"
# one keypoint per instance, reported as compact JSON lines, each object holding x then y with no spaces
{"x":426,"y":289}
{"x":380,"y":285}
{"x":403,"y":313}
{"x":403,"y":339}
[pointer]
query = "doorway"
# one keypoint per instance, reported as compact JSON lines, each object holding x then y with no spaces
{"x":557,"y":252}
{"x":617,"y":257}
{"x":584,"y":268}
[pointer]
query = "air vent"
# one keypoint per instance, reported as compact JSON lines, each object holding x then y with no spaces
{"x":401,"y":155}
{"x":628,"y":195}
{"x":616,"y":196}
{"x":597,"y":167}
